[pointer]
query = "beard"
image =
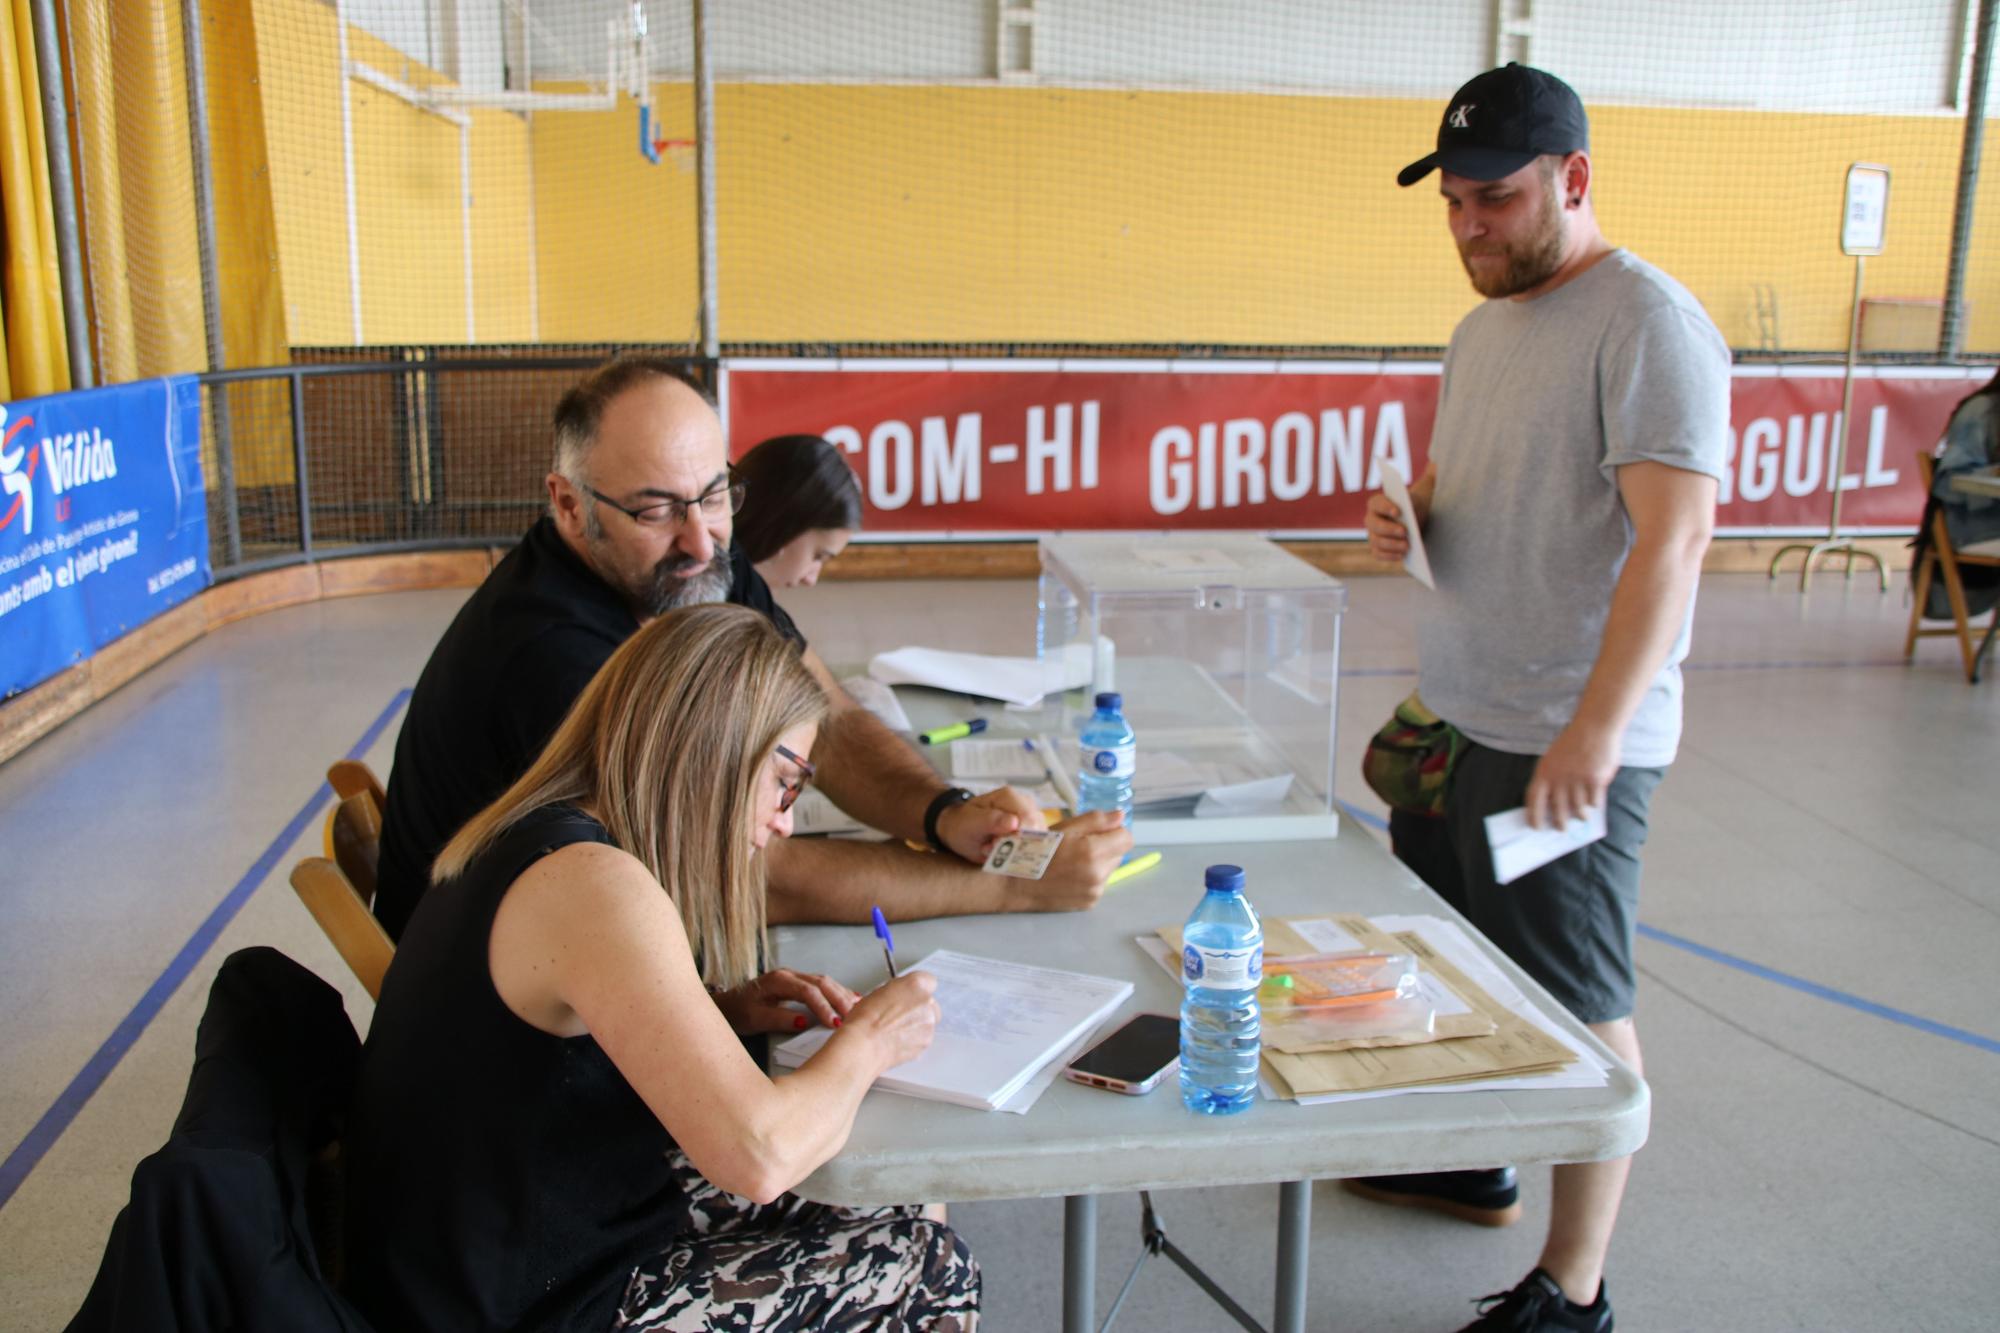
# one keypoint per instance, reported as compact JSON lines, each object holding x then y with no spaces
{"x":671,"y":587}
{"x":667,"y":586}
{"x":1531,"y":261}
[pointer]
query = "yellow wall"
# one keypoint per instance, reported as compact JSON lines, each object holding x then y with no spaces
{"x":1028,"y":215}
{"x":409,"y":187}
{"x":615,"y":234}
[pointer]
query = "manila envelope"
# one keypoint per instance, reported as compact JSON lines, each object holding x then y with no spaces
{"x":1281,"y":941}
{"x":1515,"y":1047}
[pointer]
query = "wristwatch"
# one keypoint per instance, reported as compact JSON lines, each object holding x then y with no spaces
{"x":940,"y":803}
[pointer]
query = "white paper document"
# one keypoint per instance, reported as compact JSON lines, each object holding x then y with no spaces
{"x":996,"y":759}
{"x":1243,"y":798}
{"x":1000,"y":1024}
{"x":1517,"y":849}
{"x":1415,"y":561}
{"x":1018,"y":680}
{"x":878,"y":699}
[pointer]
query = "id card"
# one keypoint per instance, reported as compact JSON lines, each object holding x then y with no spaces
{"x":1024,"y":855}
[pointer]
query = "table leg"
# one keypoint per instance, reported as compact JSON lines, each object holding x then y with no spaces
{"x":1294,"y":1237}
{"x":1080,"y":1263}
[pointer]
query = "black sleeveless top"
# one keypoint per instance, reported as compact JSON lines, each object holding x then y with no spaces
{"x":498,"y":1177}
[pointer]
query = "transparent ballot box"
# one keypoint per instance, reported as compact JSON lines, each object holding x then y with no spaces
{"x":1226,"y":649}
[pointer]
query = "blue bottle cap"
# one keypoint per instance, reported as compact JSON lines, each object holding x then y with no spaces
{"x":1225,"y":879}
{"x":1110,"y":701}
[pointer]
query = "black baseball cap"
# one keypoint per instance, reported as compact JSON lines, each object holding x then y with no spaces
{"x":1502,"y":121}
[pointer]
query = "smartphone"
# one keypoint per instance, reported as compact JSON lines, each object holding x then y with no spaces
{"x":1134,"y":1058}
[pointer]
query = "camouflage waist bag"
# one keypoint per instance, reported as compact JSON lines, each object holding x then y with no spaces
{"x":1409,"y":761}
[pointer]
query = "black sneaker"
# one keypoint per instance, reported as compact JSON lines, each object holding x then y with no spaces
{"x":1539,"y":1306}
{"x":1490,"y":1198}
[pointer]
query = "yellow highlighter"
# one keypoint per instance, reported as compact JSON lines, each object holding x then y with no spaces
{"x":1132,"y":867}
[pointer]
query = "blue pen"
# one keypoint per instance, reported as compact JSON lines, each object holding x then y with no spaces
{"x":888,"y":944}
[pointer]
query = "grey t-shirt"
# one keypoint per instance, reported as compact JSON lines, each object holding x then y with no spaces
{"x":1542,"y":402}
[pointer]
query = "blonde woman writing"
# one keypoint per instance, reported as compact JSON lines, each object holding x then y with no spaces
{"x":556,"y":1123}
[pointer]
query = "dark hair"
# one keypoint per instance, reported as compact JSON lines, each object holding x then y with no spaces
{"x":1991,"y":386}
{"x":795,"y":484}
{"x":581,"y":410}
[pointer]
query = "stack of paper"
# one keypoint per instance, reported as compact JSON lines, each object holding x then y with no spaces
{"x":1489,"y":1034}
{"x":1000,"y":1024}
{"x":1016,"y":680}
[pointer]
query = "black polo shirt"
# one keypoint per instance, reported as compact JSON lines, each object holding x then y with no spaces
{"x":500,"y":680}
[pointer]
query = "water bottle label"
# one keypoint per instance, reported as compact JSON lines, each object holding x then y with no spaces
{"x":1114,"y":761}
{"x":1223,"y":969}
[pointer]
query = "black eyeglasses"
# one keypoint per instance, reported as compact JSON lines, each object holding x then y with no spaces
{"x":725,"y":497}
{"x":788,"y":792}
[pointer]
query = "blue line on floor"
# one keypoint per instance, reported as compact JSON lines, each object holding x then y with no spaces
{"x":1799,"y":664}
{"x":1811,"y":988}
{"x":57,"y":1118}
{"x":1368,"y":817}
{"x":1818,"y":991}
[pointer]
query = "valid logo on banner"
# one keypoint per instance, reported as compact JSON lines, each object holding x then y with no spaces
{"x":72,"y":459}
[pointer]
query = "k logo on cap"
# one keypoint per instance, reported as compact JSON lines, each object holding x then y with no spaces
{"x":1524,"y":113}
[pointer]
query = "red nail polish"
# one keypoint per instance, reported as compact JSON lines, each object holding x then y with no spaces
{"x":799,"y":1023}
{"x":836,"y":1020}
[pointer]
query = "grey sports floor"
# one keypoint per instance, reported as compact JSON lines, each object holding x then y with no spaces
{"x":1819,"y":996}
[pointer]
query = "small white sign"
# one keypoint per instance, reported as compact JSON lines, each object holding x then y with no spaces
{"x":1865,"y":214}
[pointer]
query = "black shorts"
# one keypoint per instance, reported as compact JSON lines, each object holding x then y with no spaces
{"x":1568,"y":924}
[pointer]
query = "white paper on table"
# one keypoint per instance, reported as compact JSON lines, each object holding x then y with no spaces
{"x":1020,"y":680}
{"x":1000,"y":1024}
{"x":1164,"y":776}
{"x":878,"y":699}
{"x":996,"y":759}
{"x":1238,"y":798}
{"x":1415,"y":560}
{"x":1324,"y":934}
{"x":1517,"y":849}
{"x":1043,"y":794}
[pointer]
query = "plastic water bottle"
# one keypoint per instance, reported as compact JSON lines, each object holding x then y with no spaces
{"x":1222,"y":965}
{"x":1104,"y":780}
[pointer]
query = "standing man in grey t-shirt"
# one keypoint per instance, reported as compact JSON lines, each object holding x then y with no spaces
{"x":1569,"y":498}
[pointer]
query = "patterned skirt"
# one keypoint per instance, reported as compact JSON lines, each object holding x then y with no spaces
{"x":793,"y":1265}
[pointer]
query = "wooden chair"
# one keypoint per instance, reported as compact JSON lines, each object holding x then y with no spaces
{"x":352,"y":840}
{"x":339,"y":887}
{"x":350,"y":776}
{"x":1941,"y":559}
{"x":343,"y":914}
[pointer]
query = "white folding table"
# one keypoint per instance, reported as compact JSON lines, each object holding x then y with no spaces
{"x":1081,"y":1142}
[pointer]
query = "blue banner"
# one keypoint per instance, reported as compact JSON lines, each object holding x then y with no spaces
{"x":103,"y":520}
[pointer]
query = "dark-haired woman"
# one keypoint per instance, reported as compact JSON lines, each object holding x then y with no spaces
{"x":801,"y":507}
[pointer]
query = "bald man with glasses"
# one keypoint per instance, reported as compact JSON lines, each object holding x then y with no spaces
{"x":641,"y":502}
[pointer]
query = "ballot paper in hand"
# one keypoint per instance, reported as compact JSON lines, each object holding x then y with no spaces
{"x":1517,"y":849}
{"x":1415,"y":561}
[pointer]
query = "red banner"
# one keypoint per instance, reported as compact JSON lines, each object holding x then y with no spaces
{"x":983,"y":448}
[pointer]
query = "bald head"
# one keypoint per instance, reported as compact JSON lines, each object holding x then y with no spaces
{"x":639,"y":438}
{"x":579,"y":417}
